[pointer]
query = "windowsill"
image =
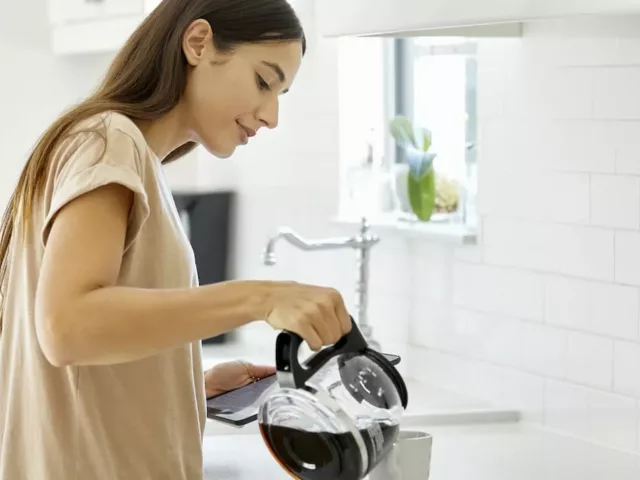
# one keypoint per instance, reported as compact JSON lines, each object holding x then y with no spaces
{"x":448,"y":232}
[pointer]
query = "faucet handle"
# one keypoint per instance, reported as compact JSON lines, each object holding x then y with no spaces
{"x":365,"y":226}
{"x":269,"y":257}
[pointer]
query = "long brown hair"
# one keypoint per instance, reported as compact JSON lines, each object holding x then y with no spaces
{"x":146,"y":80}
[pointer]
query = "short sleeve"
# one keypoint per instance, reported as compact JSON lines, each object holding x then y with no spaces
{"x":91,"y":160}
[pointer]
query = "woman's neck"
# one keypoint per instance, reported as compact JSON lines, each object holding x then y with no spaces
{"x":166,"y":133}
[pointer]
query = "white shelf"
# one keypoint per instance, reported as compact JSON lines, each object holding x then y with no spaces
{"x":448,"y":232}
{"x":494,"y":18}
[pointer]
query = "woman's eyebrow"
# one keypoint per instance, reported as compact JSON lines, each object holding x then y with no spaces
{"x":276,"y":68}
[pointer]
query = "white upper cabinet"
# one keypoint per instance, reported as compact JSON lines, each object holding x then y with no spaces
{"x":452,"y":17}
{"x":92,"y":26}
{"x":72,"y":11}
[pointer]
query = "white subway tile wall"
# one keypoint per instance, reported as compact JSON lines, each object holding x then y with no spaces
{"x":545,"y":316}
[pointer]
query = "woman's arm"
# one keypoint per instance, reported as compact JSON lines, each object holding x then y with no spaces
{"x":82,"y":317}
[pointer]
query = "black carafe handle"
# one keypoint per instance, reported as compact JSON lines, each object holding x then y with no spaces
{"x":288,"y":344}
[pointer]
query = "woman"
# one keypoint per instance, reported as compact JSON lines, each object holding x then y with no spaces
{"x":100,"y":374}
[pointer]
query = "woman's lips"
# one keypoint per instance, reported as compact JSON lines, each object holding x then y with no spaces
{"x":245,"y":133}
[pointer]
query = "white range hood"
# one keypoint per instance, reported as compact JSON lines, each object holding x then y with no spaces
{"x":453,"y":17}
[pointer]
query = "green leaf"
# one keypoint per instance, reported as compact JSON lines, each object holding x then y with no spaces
{"x":422,"y":194}
{"x":425,"y":139}
{"x":402,"y":131}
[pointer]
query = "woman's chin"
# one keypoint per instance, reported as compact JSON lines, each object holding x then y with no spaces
{"x":219,"y":151}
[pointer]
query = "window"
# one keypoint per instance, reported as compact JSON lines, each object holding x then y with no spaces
{"x":431,"y":80}
{"x":435,"y":86}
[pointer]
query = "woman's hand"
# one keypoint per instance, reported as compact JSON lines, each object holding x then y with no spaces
{"x":231,"y":375}
{"x":317,"y":314}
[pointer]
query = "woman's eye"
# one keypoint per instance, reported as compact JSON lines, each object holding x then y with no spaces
{"x":262,"y":84}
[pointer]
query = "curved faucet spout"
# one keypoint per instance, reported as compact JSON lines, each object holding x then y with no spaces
{"x":286,"y":233}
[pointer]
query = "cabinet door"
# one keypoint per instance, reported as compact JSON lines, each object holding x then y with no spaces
{"x":74,"y":11}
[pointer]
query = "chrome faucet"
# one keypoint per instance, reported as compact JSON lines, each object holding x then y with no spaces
{"x":362,"y":243}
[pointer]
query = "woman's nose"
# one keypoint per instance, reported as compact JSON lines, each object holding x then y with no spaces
{"x":268,"y":115}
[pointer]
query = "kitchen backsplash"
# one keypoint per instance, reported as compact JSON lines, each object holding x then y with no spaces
{"x":544,"y":314}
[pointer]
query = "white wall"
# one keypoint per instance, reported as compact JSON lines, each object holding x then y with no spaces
{"x":35,"y":86}
{"x":545,"y":317}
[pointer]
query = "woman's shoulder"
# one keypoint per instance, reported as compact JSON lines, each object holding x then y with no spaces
{"x":112,"y":125}
{"x":107,"y":138}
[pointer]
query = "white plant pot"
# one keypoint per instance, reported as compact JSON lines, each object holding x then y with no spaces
{"x":400,"y":176}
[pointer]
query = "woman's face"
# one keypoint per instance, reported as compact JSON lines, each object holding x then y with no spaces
{"x":229,"y":97}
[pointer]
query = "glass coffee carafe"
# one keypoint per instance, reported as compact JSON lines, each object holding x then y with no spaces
{"x":335,"y":415}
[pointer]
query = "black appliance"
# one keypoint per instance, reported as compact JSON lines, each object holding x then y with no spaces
{"x":208,"y":219}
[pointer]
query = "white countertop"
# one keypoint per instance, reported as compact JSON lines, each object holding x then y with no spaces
{"x":240,"y":457}
{"x":523,"y":452}
{"x":465,"y":452}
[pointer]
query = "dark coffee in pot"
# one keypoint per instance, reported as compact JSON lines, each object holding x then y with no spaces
{"x":323,"y":455}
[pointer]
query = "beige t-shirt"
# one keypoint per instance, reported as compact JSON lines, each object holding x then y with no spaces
{"x":141,"y":420}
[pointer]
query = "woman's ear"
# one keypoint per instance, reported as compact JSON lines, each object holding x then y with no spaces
{"x":197,"y":39}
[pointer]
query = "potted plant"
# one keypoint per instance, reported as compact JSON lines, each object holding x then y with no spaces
{"x":421,"y":178}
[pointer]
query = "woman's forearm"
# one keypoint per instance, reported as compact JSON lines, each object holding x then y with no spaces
{"x":118,"y":324}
